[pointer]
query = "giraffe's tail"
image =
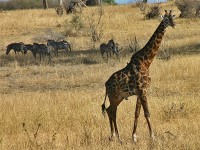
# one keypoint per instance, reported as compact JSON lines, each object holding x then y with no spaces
{"x":103,"y":106}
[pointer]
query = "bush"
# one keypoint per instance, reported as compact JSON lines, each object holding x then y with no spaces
{"x":188,"y":8}
{"x":25,"y":4}
{"x":97,"y":2}
{"x":75,"y":26}
{"x":153,"y":13}
{"x":149,"y":11}
{"x":109,"y":1}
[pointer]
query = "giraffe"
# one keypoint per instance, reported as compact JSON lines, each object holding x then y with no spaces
{"x":134,"y":79}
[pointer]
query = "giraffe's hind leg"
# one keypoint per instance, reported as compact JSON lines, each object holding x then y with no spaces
{"x":109,"y":111}
{"x":112,"y":114}
{"x":115,"y":123}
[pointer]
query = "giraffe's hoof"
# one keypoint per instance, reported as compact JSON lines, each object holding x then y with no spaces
{"x":120,"y":141}
{"x":152,"y":137}
{"x":111,"y":138}
{"x":134,"y":138}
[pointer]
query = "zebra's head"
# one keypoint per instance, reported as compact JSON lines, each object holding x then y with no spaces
{"x":111,"y":43}
{"x":35,"y":45}
{"x":25,"y":49}
{"x":116,"y":49}
{"x":28,"y":47}
{"x":8,"y":50}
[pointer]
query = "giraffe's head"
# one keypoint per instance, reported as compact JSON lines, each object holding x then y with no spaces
{"x":168,"y":19}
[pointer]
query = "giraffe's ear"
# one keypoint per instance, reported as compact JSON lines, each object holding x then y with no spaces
{"x":162,"y":17}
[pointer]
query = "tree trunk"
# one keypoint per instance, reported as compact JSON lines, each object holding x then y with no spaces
{"x":61,"y":2}
{"x":45,"y":4}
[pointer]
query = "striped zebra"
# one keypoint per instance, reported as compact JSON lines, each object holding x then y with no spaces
{"x":59,"y":45}
{"x":109,"y":49}
{"x":17,"y":47}
{"x":42,"y":50}
{"x":28,"y":47}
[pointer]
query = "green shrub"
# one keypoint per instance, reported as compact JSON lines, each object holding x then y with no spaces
{"x":188,"y":8}
{"x":25,"y":4}
{"x":109,"y":1}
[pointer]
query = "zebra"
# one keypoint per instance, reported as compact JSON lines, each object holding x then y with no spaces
{"x":110,"y":48}
{"x":57,"y":45}
{"x":42,"y":50}
{"x":17,"y":47}
{"x":28,"y":47}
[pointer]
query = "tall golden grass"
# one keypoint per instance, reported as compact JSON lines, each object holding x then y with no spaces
{"x":58,"y":105}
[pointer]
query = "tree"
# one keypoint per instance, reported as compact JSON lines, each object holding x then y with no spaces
{"x":144,"y":1}
{"x":61,"y":2}
{"x":98,"y":2}
{"x":109,"y":1}
{"x":45,"y":4}
{"x":93,"y":2}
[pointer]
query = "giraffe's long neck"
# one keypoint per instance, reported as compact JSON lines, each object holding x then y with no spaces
{"x":146,"y":55}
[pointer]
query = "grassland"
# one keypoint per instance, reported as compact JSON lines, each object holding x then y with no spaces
{"x":63,"y":99}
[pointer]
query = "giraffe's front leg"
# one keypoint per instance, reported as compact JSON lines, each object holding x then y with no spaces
{"x":137,"y":113}
{"x":150,"y":129}
{"x":144,"y":103}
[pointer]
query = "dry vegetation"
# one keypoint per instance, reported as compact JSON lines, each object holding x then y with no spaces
{"x":58,"y":105}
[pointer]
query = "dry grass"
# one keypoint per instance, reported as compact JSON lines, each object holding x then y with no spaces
{"x":65,"y":97}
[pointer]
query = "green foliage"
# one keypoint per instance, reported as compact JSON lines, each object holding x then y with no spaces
{"x":75,"y":26}
{"x":25,"y":4}
{"x":109,"y":1}
{"x":144,"y":1}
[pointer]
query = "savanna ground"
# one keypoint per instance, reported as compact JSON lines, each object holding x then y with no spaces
{"x":58,"y":105}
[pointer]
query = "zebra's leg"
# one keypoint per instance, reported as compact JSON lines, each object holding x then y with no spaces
{"x":49,"y":58}
{"x":54,"y":51}
{"x":40,"y":57}
{"x":57,"y":52}
{"x":34,"y":55}
{"x":102,"y":54}
{"x":110,"y":53}
{"x":117,"y":55}
{"x":69,"y":47}
{"x":66,"y":49}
